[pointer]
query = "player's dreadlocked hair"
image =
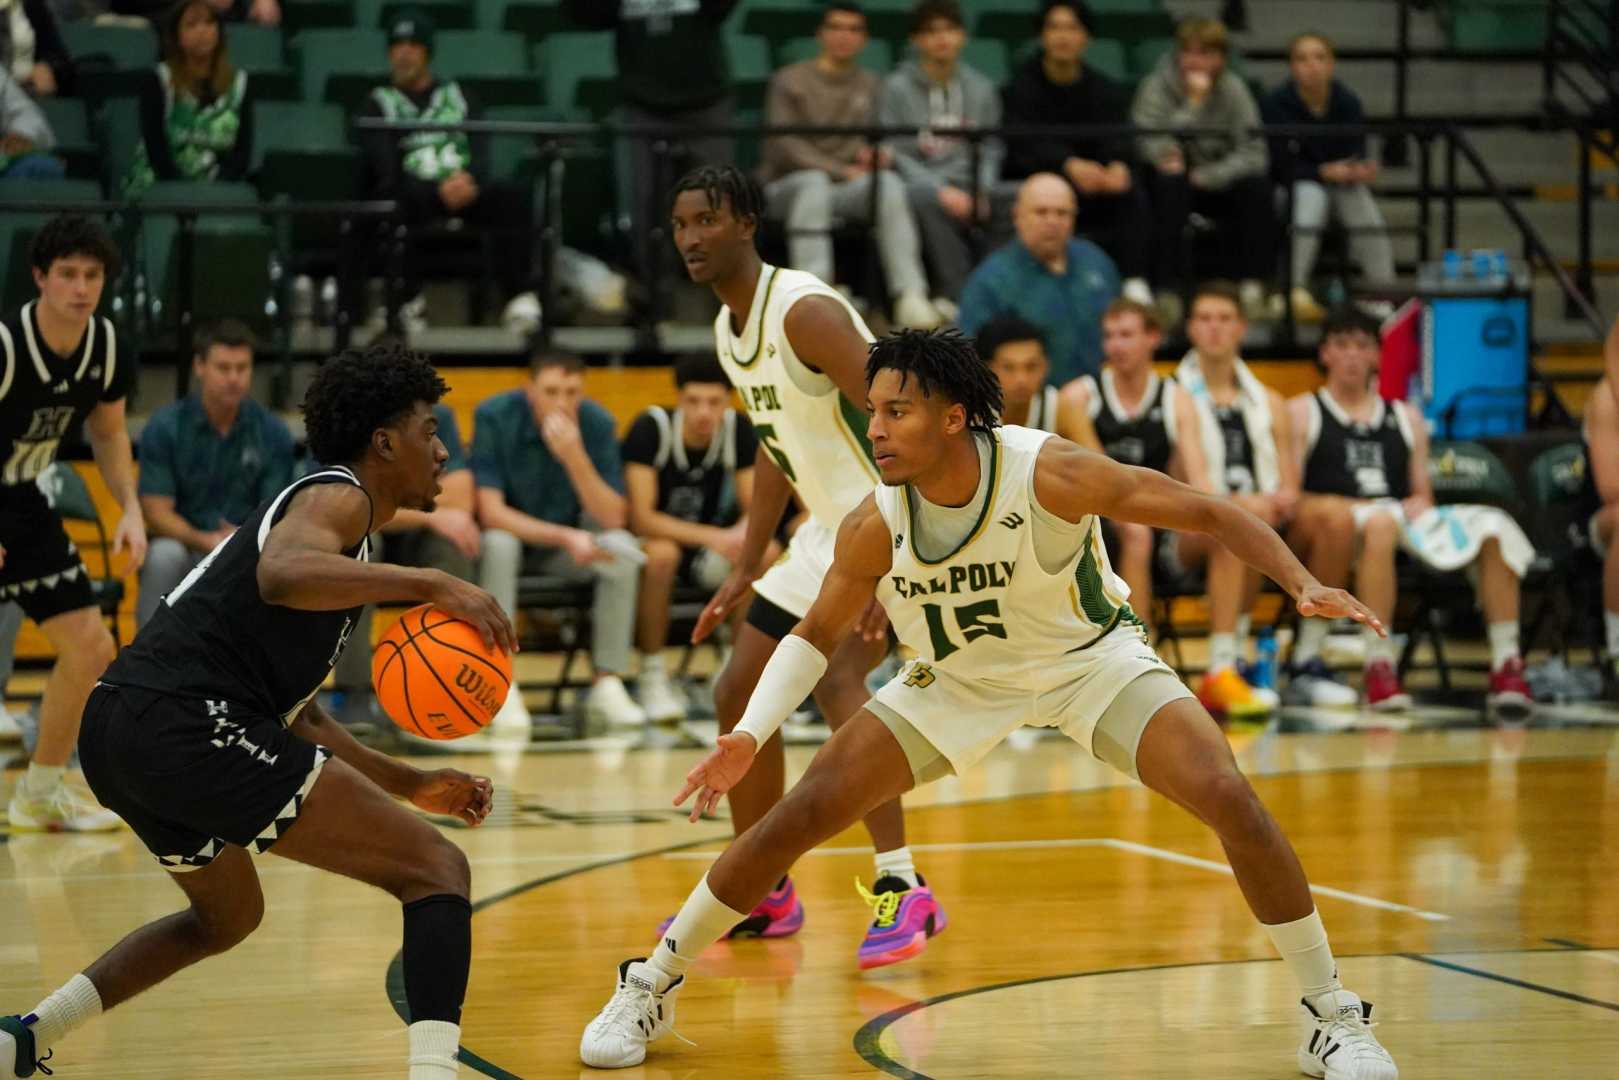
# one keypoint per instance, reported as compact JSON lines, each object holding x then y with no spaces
{"x":356,"y":392}
{"x":944,"y":362}
{"x":722,"y":184}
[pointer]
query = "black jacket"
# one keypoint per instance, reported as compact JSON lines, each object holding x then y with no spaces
{"x":666,"y":63}
{"x":1031,"y":98}
{"x":1296,"y":157}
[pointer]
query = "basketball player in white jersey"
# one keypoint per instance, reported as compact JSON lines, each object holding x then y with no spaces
{"x":1015,"y":351}
{"x":795,"y":351}
{"x":984,"y":546}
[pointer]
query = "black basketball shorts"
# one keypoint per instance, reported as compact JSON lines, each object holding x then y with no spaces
{"x":41,"y":572}
{"x":191,"y":775}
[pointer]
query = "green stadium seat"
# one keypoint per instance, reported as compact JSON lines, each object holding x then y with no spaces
{"x":17,"y":230}
{"x":567,"y":60}
{"x":261,"y":52}
{"x":990,"y":58}
{"x":298,"y":16}
{"x":491,"y":65}
{"x":234,"y":248}
{"x":111,"y":60}
{"x":751,"y":68}
{"x":341,"y":66}
{"x":1488,"y":25}
{"x":534,"y":19}
{"x":70,"y":122}
{"x":877,"y":56}
{"x":446,"y":14}
{"x":1144,"y":55}
{"x":1108,"y":57}
{"x":1133,"y":25}
{"x":777,"y":21}
{"x":1014,"y":26}
{"x":304,"y":154}
{"x":750,"y":147}
{"x":118,"y":128}
{"x":515,"y":157}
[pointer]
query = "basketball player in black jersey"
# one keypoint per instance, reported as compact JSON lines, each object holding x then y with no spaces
{"x":60,"y":367}
{"x":205,"y":737}
{"x":1140,"y":419}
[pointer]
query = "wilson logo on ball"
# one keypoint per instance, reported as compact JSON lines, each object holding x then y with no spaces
{"x":480,"y":689}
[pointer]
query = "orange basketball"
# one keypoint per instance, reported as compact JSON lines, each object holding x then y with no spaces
{"x":434,"y":678}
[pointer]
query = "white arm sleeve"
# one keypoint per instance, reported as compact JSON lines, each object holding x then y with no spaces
{"x":794,"y":669}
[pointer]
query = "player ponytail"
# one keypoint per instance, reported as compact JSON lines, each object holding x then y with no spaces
{"x":945,"y":362}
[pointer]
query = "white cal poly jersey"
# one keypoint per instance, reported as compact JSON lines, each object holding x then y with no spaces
{"x":813,"y":433}
{"x":989,"y":610}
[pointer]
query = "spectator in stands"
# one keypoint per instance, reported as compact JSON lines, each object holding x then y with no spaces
{"x":26,"y":138}
{"x":1329,"y":174}
{"x":810,"y":179}
{"x":1601,"y":434}
{"x":263,"y":12}
{"x":937,"y":91}
{"x":1222,"y":176}
{"x":447,"y":539}
{"x":673,"y":71}
{"x":551,"y":500}
{"x":1015,"y":350}
{"x":1050,"y":277}
{"x":443,"y":174}
{"x":1140,"y":419}
{"x":689,"y":473}
{"x":1056,"y":88}
{"x":31,"y":46}
{"x":1364,"y":464}
{"x":1243,"y":424}
{"x":196,"y":109}
{"x":207,"y":461}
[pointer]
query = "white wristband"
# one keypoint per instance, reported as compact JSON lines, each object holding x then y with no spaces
{"x":794,"y":669}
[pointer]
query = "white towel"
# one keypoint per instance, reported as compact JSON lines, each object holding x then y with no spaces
{"x":1254,"y":401}
{"x":1450,"y":537}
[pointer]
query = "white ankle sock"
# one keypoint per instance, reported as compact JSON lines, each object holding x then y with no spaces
{"x":1222,"y":651}
{"x":1610,"y":620}
{"x":898,"y":863}
{"x":72,"y":1006}
{"x":1308,"y":955}
{"x":651,"y":662}
{"x":701,"y":921}
{"x":1377,"y":648}
{"x":433,"y":1048}
{"x":42,"y":779}
{"x":1312,"y":635}
{"x":1503,"y":642}
{"x":1244,"y":625}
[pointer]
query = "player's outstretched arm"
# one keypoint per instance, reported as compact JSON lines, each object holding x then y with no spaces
{"x":1071,"y":482}
{"x":860,"y":560}
{"x":302,"y":565}
{"x":440,"y":791}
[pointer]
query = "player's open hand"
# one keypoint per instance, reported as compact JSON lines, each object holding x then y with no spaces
{"x":718,"y":773}
{"x":733,"y":591}
{"x":456,"y":794}
{"x":131,"y":533}
{"x":468,"y":602}
{"x":1320,"y":602}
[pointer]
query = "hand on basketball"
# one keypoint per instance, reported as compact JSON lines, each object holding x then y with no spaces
{"x":474,"y":605}
{"x":455,"y":794}
{"x":718,"y":773}
{"x":131,"y":533}
{"x":1321,"y":602}
{"x":730,"y":593}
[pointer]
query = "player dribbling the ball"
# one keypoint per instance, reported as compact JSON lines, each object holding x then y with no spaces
{"x":205,"y":737}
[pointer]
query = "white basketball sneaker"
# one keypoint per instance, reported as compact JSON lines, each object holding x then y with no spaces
{"x":1342,"y":1046}
{"x":658,"y":698}
{"x":62,"y":809}
{"x":610,"y":703}
{"x":642,"y":1008}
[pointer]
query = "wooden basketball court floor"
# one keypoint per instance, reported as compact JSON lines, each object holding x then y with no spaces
{"x":1469,"y":879}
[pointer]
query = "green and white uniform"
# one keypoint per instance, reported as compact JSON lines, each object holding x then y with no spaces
{"x":815,"y":435}
{"x":1015,"y":615}
{"x":200,"y":135}
{"x":430,"y":155}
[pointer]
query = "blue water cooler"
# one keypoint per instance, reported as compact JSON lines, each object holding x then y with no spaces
{"x":1475,"y":345}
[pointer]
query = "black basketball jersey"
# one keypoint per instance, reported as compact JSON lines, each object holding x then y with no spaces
{"x":701,"y":488}
{"x":44,"y":397}
{"x":1370,"y":460}
{"x":215,"y":637}
{"x":1146,"y":438}
{"x":1239,"y":451}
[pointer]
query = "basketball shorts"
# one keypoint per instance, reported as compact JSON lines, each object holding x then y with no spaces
{"x":794,"y":581}
{"x":963,"y":720}
{"x":191,"y":775}
{"x":42,"y":572}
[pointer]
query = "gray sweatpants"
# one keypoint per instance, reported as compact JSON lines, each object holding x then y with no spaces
{"x":612,"y":612}
{"x":809,"y":200}
{"x":167,"y":563}
{"x":10,"y":624}
{"x":1353,"y":206}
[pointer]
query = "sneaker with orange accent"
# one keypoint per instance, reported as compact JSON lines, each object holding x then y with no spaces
{"x":1225,"y":693}
{"x":1383,"y":690}
{"x":1509,"y":696}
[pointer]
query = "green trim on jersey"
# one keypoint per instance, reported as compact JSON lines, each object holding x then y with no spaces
{"x":983,"y":511}
{"x":759,"y":341}
{"x":430,"y":155}
{"x":855,"y":424}
{"x":1094,"y":603}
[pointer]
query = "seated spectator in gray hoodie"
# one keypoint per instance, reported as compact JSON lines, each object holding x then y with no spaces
{"x":25,"y":136}
{"x":936,"y":90}
{"x":1222,"y":176}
